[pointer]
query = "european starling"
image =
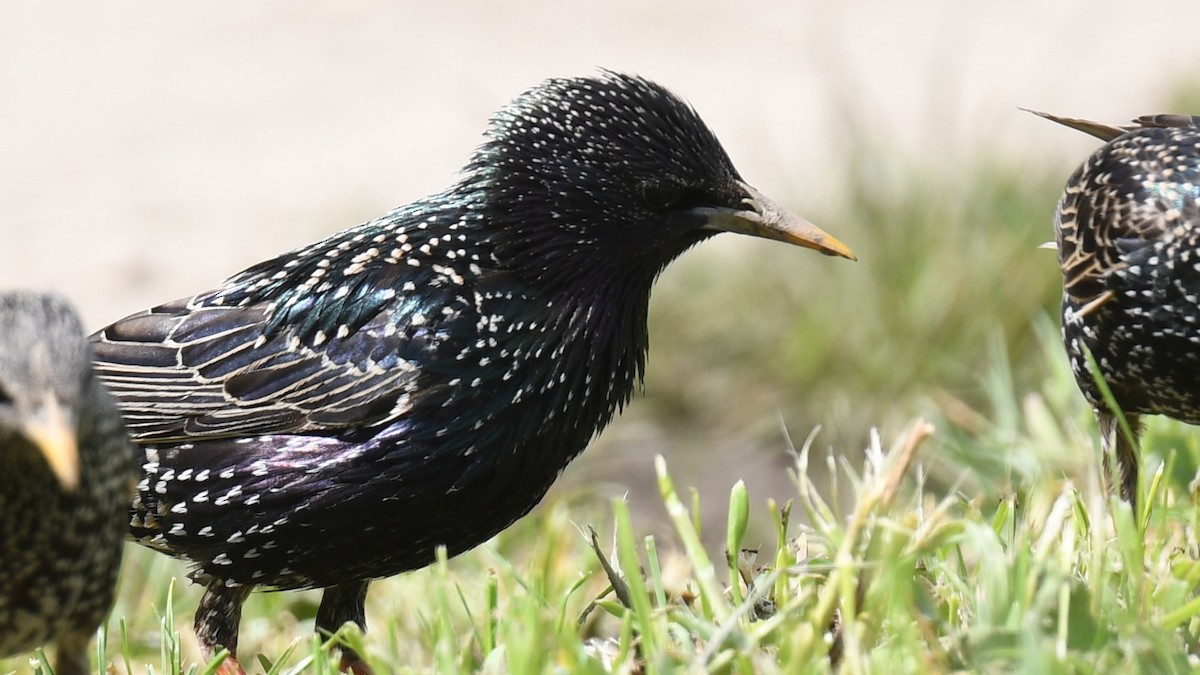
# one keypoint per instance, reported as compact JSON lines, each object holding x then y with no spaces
{"x":333,"y":415}
{"x":67,"y":472}
{"x":1128,"y":236}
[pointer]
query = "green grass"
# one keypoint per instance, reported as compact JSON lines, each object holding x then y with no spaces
{"x":1022,"y":565}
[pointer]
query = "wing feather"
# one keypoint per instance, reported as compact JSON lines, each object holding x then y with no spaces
{"x":197,"y":369}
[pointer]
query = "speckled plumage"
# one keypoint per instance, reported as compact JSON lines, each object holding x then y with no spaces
{"x":1128,"y":236}
{"x":66,"y":476}
{"x":335,"y":414}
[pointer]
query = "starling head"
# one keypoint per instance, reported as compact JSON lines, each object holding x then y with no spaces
{"x":616,"y":167}
{"x":67,"y":473}
{"x":44,"y":368}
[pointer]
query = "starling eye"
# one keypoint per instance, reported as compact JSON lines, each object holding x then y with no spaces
{"x":661,"y":195}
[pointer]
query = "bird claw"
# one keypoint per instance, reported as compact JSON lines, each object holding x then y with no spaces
{"x":355,"y":666}
{"x":230,"y":666}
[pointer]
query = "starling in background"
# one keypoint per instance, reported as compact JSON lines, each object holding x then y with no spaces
{"x":1128,"y":236}
{"x":333,"y":415}
{"x":67,"y":472}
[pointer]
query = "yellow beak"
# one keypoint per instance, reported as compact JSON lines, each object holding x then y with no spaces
{"x":51,"y":430}
{"x":764,"y":218}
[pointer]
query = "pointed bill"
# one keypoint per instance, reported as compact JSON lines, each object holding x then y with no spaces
{"x":51,"y":430}
{"x":1105,"y":132}
{"x":762,"y":217}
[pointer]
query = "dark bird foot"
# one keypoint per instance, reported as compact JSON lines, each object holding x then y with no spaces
{"x":72,"y":657}
{"x":1116,"y":444}
{"x":355,"y":665}
{"x":341,"y":605}
{"x":230,"y":666}
{"x":217,"y":622}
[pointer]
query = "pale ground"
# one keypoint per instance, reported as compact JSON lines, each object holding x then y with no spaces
{"x":148,"y":149}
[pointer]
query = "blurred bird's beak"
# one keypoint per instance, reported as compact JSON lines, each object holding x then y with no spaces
{"x":761,"y":217}
{"x":1105,"y":132}
{"x":51,"y":430}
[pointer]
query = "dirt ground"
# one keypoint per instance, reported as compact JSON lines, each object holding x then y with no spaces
{"x":149,"y":149}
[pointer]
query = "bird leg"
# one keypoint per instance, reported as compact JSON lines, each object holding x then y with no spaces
{"x":1114,"y":442}
{"x":339,"y":604}
{"x":217,"y":621}
{"x":72,"y":655}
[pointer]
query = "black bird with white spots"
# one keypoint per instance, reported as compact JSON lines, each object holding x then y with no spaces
{"x":333,"y":415}
{"x":1128,"y":237}
{"x":67,"y":472}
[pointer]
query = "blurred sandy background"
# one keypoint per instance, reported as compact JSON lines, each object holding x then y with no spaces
{"x":147,"y":150}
